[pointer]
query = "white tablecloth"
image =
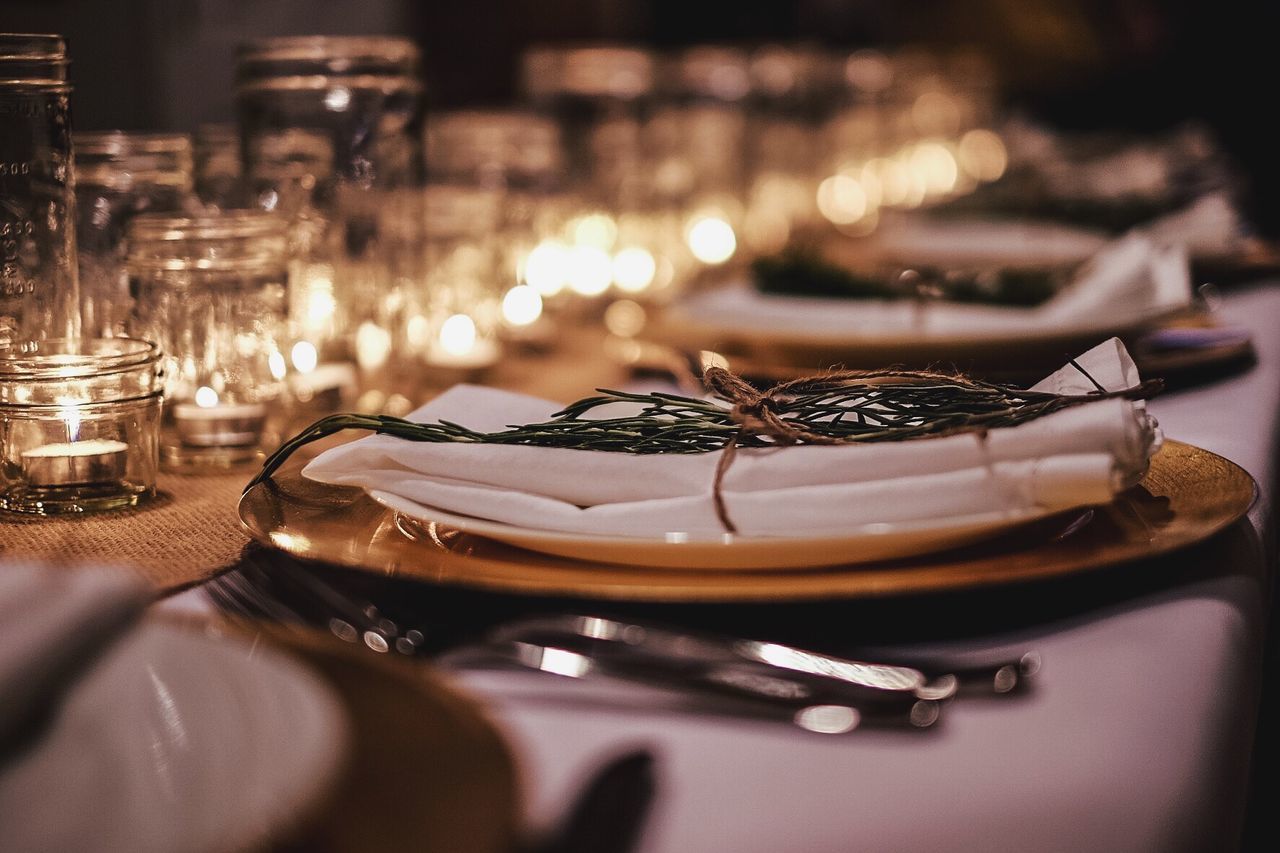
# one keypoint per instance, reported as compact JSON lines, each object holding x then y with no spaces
{"x":1136,"y":738}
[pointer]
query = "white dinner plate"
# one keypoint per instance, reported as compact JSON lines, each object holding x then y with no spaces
{"x":863,"y":544}
{"x":175,"y":741}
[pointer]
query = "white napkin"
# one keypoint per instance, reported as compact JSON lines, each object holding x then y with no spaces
{"x":53,"y":623}
{"x":1129,"y":281}
{"x":1075,"y":457}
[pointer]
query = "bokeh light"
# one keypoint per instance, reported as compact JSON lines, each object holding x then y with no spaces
{"x":634,"y":269}
{"x":711,"y":239}
{"x":521,"y":306}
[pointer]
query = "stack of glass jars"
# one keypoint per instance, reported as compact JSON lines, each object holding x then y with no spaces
{"x":118,"y":176}
{"x":212,"y":291}
{"x":39,"y":295}
{"x":331,"y":131}
{"x":78,"y":416}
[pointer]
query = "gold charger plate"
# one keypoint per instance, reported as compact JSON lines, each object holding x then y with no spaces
{"x":425,"y":770}
{"x":1188,"y":495}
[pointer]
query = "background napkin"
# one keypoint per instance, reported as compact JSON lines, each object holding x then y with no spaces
{"x":53,"y":624}
{"x":1126,"y":282}
{"x":1076,"y":457}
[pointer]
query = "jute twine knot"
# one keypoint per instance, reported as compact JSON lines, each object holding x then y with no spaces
{"x":760,"y":412}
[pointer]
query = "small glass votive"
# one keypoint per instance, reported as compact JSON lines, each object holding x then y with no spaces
{"x":79,"y":424}
{"x":213,"y":290}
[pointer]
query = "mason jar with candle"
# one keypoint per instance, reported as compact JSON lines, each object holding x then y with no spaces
{"x":118,"y":176}
{"x":79,"y":421}
{"x":514,"y":155}
{"x":39,"y":295}
{"x":331,"y":132}
{"x":212,"y":290}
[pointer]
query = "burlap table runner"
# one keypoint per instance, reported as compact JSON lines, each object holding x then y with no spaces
{"x":188,"y":533}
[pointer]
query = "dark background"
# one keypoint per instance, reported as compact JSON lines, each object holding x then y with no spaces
{"x":1137,"y":64}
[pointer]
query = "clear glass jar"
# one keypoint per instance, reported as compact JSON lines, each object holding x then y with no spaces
{"x":217,"y":166}
{"x":331,"y":128}
{"x":464,"y":280}
{"x":39,"y":295}
{"x":599,"y":95}
{"x":118,"y":176}
{"x":78,"y":424}
{"x":516,"y":154}
{"x":784,"y":151}
{"x":212,"y":290}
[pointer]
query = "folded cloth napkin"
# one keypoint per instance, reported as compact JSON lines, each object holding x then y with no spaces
{"x":1130,"y":281}
{"x":1075,"y":457}
{"x":53,"y":624}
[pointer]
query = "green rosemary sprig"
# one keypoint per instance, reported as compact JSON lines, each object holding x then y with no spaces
{"x":861,"y":406}
{"x":802,"y":272}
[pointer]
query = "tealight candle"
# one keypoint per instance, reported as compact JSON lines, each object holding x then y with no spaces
{"x":221,"y":425}
{"x":75,"y":463}
{"x":80,"y":421}
{"x":479,"y":354}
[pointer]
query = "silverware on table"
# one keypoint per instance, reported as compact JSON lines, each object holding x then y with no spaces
{"x":720,"y":674}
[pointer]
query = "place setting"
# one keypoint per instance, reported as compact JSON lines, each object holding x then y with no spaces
{"x":843,"y":484}
{"x":653,"y":430}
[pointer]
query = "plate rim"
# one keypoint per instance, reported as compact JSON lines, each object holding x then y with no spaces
{"x":529,"y":573}
{"x":994,"y":521}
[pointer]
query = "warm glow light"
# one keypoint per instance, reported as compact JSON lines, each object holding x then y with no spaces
{"x":69,"y":411}
{"x":935,"y":165}
{"x":590,"y":270}
{"x":320,"y":307}
{"x":418,"y":331}
{"x":711,"y":240}
{"x":634,"y":269}
{"x":337,"y":99}
{"x":892,"y":179}
{"x":982,"y":155}
{"x":304,"y":356}
{"x":935,"y":113}
{"x":458,"y":335}
{"x":521,"y":306}
{"x":842,"y":199}
{"x":547,"y":267}
{"x":276,"y":364}
{"x":206,"y":397}
{"x":624,"y":318}
{"x":597,"y":229}
{"x":373,"y":345}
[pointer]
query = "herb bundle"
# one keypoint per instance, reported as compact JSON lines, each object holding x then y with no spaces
{"x":831,"y":408}
{"x":803,"y":273}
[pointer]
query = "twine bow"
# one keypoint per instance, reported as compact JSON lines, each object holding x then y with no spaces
{"x":761,"y":412}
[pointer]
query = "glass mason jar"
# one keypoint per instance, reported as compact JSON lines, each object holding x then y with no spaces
{"x":217,"y":166}
{"x":784,"y":152}
{"x":39,"y":295}
{"x":212,"y":290}
{"x":464,"y":281}
{"x":331,"y":127}
{"x":599,"y":96}
{"x":78,"y":424}
{"x":695,"y":147}
{"x":118,"y":176}
{"x":516,"y":154}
